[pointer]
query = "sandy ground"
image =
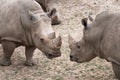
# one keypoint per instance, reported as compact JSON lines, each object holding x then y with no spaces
{"x":72,"y":11}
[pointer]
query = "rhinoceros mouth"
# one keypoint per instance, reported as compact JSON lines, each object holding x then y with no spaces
{"x":79,"y":61}
{"x":76,"y":60}
{"x":51,"y":56}
{"x":73,"y":59}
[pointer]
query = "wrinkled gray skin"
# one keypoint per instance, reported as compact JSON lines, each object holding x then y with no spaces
{"x":24,"y":23}
{"x":47,"y":6}
{"x":100,"y":38}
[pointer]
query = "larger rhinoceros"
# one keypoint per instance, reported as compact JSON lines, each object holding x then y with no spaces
{"x":47,"y":6}
{"x":100,"y":38}
{"x":24,"y":23}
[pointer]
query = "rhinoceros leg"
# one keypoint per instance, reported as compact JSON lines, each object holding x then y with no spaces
{"x":8,"y":48}
{"x":29,"y":56}
{"x":116,"y":69}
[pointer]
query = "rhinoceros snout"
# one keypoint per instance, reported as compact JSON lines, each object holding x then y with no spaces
{"x":73,"y":58}
{"x":53,"y":55}
{"x":50,"y":56}
{"x":57,"y":54}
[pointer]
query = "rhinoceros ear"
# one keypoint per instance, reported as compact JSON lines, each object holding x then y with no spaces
{"x":51,"y":35}
{"x":57,"y":41}
{"x":70,"y":39}
{"x":33,"y":17}
{"x":52,"y":12}
{"x":84,"y":22}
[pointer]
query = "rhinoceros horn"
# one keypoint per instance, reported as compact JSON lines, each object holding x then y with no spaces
{"x":57,"y":41}
{"x":70,"y":39}
{"x":51,"y":35}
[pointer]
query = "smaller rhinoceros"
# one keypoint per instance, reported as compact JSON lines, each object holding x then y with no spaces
{"x":24,"y":23}
{"x":100,"y":38}
{"x":49,"y":5}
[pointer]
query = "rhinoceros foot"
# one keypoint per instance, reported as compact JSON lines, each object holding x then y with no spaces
{"x":116,"y":69}
{"x":30,"y":63}
{"x":5,"y":62}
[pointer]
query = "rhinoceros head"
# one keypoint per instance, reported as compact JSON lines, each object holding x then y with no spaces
{"x":80,"y":51}
{"x":83,"y":50}
{"x":43,"y":39}
{"x":50,"y":47}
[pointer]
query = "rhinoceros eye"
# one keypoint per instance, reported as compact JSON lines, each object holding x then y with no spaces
{"x":78,"y":46}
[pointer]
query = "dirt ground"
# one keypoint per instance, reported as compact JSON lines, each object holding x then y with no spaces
{"x":72,"y":11}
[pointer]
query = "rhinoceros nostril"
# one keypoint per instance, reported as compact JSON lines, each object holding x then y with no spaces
{"x":50,"y":55}
{"x":71,"y":56}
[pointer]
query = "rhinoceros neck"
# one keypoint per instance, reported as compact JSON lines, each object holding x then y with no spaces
{"x":29,"y":38}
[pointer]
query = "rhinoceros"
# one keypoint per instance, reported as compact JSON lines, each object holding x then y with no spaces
{"x":24,"y":23}
{"x":47,"y":6}
{"x":101,"y":38}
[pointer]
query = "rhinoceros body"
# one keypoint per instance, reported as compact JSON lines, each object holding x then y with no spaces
{"x":23,"y":22}
{"x":100,"y":38}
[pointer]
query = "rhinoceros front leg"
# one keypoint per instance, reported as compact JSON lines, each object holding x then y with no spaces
{"x":29,"y":56}
{"x":8,"y":48}
{"x":116,"y":69}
